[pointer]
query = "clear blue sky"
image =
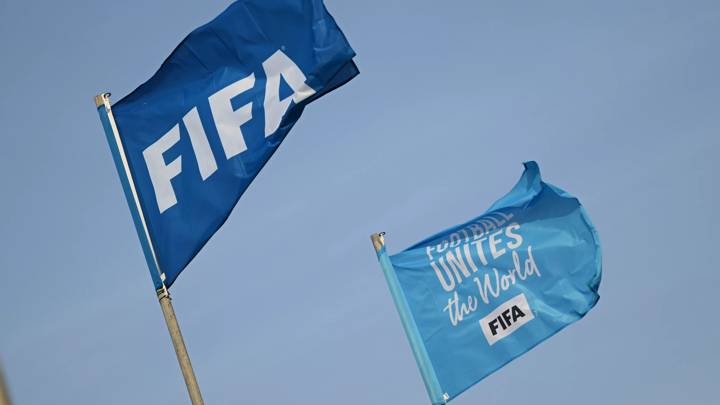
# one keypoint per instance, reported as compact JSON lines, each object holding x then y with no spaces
{"x":619,"y":102}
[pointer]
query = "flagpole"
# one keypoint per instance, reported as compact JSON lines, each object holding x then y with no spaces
{"x":179,"y":345}
{"x":4,"y":395}
{"x":432,"y":385}
{"x":102,"y":102}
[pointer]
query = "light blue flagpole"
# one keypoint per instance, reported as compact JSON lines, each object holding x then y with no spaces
{"x":416,"y":343}
{"x":102,"y":102}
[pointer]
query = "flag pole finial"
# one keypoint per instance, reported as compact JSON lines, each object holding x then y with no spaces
{"x":100,"y":99}
{"x":378,"y":240}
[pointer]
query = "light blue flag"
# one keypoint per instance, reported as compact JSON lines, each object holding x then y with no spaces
{"x":476,"y":296}
{"x":190,"y":140}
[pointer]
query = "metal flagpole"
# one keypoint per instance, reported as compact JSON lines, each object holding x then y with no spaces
{"x":4,"y":395}
{"x":102,"y":102}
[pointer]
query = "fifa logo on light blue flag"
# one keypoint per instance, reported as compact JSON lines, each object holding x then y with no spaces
{"x":506,"y":319}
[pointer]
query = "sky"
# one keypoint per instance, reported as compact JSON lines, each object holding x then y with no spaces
{"x":619,"y":103}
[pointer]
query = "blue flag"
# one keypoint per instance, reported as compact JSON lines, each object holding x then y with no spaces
{"x":196,"y":134}
{"x":476,"y":296}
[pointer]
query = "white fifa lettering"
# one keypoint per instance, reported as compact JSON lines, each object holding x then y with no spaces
{"x":276,"y":66}
{"x":161,"y":174}
{"x":198,"y":139}
{"x":227,"y":120}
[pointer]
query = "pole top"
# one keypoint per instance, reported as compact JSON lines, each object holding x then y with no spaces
{"x":378,"y":240}
{"x":100,"y":99}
